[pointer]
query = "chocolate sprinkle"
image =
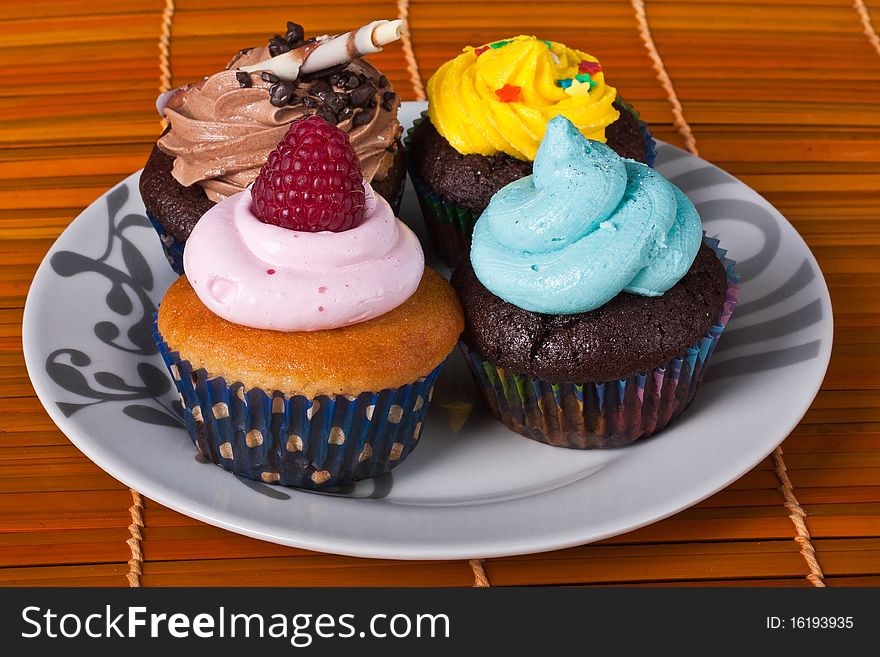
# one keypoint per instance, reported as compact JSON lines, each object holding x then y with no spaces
{"x":281,"y":93}
{"x":328,"y":115}
{"x":320,"y":87}
{"x":310,"y":102}
{"x":362,"y":95}
{"x":362,"y":118}
{"x":244,"y":79}
{"x":268,"y":77}
{"x":323,"y":73}
{"x":383,"y":82}
{"x":345,"y":113}
{"x":295,"y":34}
{"x":353,"y":82}
{"x":388,"y":100}
{"x":278,"y":45}
{"x":334,"y":101}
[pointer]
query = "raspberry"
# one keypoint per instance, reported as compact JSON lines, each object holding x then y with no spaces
{"x":312,"y":181}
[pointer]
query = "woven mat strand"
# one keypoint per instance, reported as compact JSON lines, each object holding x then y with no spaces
{"x":763,"y":102}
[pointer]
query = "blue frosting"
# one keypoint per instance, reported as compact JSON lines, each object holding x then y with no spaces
{"x":585,"y":226}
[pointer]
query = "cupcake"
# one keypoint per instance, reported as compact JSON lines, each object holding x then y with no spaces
{"x":307,"y":334}
{"x":592,"y":300}
{"x":487,"y":112}
{"x":221,"y":129}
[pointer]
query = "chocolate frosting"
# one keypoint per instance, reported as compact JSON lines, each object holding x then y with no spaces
{"x":222,"y":133}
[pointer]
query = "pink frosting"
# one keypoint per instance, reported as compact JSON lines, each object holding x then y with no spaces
{"x":267,"y":277}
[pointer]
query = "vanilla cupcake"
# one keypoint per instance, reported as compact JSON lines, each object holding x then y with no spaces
{"x":307,"y":336}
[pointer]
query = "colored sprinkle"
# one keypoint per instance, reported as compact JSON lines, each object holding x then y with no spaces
{"x":479,"y":51}
{"x":320,"y":309}
{"x":578,"y":89}
{"x":499,"y":44}
{"x":564,"y":83}
{"x":270,"y":271}
{"x":508,"y":93}
{"x":549,"y":45}
{"x":585,"y":78}
{"x":589,"y":67}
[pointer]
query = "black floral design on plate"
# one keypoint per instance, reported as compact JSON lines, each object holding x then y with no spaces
{"x":129,"y":298}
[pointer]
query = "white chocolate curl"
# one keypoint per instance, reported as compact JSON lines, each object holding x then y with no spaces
{"x":330,"y":51}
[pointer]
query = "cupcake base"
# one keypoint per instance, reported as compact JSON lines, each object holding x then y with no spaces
{"x":293,"y":440}
{"x":608,"y":414}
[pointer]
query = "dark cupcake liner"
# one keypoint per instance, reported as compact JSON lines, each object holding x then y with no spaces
{"x":606,"y":414}
{"x":172,"y":247}
{"x":293,"y":440}
{"x":450,"y":225}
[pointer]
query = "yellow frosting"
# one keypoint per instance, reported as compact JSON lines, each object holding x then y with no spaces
{"x":464,"y":107}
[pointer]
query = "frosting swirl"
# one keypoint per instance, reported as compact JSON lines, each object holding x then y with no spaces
{"x":499,"y":98}
{"x":221,"y":134}
{"x":585,"y":226}
{"x":267,"y":277}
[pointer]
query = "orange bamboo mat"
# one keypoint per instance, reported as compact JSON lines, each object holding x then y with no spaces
{"x":784,"y":94}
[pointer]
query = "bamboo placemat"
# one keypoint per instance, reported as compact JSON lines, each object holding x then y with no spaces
{"x":784,"y":94}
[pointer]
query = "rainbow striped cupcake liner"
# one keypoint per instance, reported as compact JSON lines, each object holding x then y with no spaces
{"x":607,"y":414}
{"x":293,"y":440}
{"x":450,"y":225}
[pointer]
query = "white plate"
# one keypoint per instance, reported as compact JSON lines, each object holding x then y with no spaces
{"x":472,"y":488}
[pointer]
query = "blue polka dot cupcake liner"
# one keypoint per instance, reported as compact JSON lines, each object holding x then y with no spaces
{"x":293,"y":440}
{"x":450,"y":225}
{"x":172,"y":247}
{"x":596,"y":415}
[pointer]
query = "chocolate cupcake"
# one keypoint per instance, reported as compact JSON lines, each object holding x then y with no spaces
{"x":487,"y":111}
{"x":592,"y":302}
{"x":222,"y":129}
